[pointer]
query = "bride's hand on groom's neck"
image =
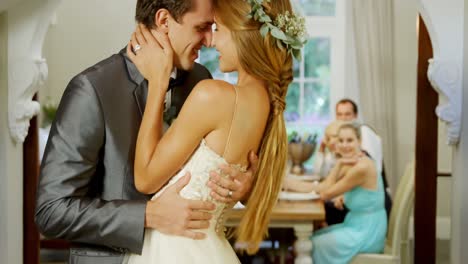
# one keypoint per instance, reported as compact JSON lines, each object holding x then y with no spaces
{"x":174,"y":215}
{"x":152,"y":54}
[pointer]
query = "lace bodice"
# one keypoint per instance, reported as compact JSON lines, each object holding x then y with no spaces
{"x":201,"y":163}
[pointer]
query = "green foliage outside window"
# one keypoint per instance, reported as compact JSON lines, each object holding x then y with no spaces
{"x":49,"y":110}
{"x":316,"y":84}
{"x":209,"y":58}
{"x":317,"y":58}
{"x":317,"y":7}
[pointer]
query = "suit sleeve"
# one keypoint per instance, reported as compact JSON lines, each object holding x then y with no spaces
{"x":70,"y":171}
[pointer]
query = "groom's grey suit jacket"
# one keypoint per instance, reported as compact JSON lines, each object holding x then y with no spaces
{"x":86,"y":192}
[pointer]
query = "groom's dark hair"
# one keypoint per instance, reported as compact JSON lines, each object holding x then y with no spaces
{"x":146,"y":9}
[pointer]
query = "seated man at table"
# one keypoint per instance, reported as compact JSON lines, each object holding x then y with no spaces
{"x":347,"y":110}
{"x":355,"y":176}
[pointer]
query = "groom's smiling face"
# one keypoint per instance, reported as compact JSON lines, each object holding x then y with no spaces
{"x":190,"y":33}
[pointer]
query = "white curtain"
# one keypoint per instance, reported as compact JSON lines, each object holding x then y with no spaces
{"x":372,"y":22}
{"x":352,"y":83}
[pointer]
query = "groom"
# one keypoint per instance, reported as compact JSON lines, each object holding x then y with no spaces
{"x":86,"y":192}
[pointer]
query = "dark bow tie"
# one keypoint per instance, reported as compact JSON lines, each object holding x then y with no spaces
{"x":174,"y":82}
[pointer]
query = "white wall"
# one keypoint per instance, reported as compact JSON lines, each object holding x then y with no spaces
{"x":459,"y":254}
{"x":11,"y":169}
{"x":3,"y":116}
{"x":444,"y":184}
{"x":85,"y":32}
{"x":5,"y":4}
{"x":405,"y":63}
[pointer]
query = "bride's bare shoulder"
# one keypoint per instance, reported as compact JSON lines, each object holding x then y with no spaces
{"x":212,"y":90}
{"x":213,"y":84}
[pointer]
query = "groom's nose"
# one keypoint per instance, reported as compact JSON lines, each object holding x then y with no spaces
{"x":207,"y":38}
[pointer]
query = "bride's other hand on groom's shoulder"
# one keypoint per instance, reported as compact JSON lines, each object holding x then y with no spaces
{"x":172,"y":214}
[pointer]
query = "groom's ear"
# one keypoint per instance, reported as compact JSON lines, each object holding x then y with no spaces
{"x":161,"y":20}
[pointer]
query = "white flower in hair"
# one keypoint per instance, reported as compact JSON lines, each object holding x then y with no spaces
{"x":288,"y":28}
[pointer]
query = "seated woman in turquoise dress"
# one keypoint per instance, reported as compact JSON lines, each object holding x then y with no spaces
{"x":365,"y":226}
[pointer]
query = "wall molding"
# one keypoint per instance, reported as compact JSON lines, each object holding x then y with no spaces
{"x":444,"y":72}
{"x":28,"y":23}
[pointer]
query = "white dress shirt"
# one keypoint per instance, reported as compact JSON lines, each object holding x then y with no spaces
{"x":323,"y":163}
{"x":168,"y":99}
{"x":372,"y":144}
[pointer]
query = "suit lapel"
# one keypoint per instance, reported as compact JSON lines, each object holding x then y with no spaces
{"x":140,"y":93}
{"x":141,"y":86}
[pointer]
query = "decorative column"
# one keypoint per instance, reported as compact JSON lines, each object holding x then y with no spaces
{"x":28,"y":23}
{"x":447,"y":27}
{"x":24,"y":25}
{"x":444,"y":22}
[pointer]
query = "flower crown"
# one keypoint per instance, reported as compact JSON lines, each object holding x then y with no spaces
{"x":288,"y":29}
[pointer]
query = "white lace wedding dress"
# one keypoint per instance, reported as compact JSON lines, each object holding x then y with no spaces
{"x":160,"y":248}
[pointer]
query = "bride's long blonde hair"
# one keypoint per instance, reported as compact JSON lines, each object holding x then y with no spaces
{"x":261,"y":57}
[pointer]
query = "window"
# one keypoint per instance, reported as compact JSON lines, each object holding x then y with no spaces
{"x":209,"y":58}
{"x":318,"y":77}
{"x":308,"y":98}
{"x":317,"y":7}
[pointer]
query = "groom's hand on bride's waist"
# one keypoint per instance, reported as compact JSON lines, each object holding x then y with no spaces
{"x":172,"y":214}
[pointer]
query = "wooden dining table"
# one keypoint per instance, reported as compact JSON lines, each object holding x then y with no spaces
{"x":298,"y":215}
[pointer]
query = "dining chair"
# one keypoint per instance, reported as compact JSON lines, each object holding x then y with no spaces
{"x":397,"y":247}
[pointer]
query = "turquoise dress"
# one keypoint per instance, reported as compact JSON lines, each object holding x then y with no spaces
{"x":363,"y":230}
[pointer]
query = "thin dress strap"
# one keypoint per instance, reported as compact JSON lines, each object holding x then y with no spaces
{"x":232,"y":122}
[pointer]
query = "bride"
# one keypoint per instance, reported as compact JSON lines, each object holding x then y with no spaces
{"x":218,"y":124}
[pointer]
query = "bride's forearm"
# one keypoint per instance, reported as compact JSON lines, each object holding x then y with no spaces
{"x":150,"y":132}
